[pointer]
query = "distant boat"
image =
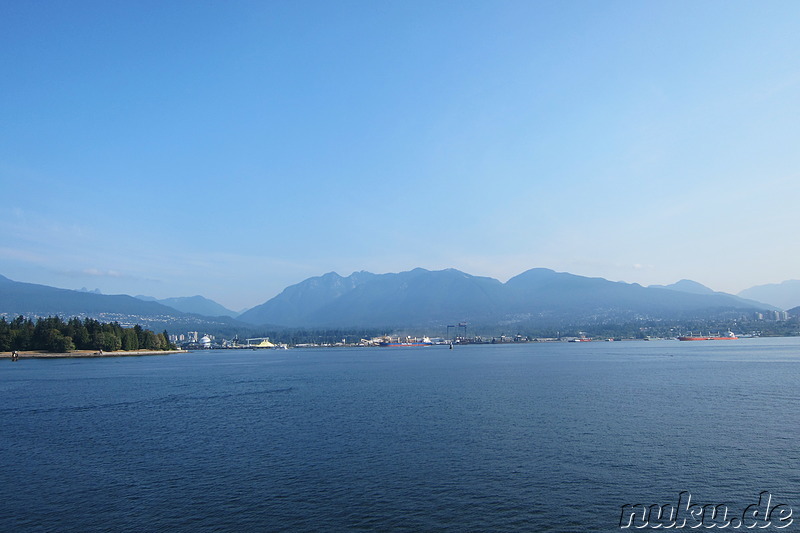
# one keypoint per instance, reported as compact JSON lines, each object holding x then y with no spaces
{"x":394,"y":344}
{"x":391,"y":343}
{"x":727,"y":337}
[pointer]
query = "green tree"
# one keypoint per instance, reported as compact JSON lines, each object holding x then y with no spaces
{"x":80,"y":335}
{"x":168,"y":345}
{"x":93,"y":327}
{"x":151,"y":341}
{"x":41,"y":333}
{"x":59,"y":343}
{"x":129,"y":340}
{"x":140,"y":335}
{"x":162,"y":341}
{"x":21,"y":334}
{"x":107,"y":341}
{"x":5,"y":335}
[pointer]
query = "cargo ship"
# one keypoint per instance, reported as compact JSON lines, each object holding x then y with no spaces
{"x":727,"y":337}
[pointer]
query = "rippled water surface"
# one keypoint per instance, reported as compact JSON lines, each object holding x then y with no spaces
{"x":535,"y":437}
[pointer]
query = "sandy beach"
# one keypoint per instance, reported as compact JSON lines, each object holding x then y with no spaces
{"x":86,"y":353}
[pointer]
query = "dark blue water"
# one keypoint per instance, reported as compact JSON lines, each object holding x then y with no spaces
{"x":536,"y":437}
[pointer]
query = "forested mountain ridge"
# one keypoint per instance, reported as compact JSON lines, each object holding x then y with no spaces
{"x":419,"y":297}
{"x":423,"y":297}
{"x":33,"y":300}
{"x":198,"y":305}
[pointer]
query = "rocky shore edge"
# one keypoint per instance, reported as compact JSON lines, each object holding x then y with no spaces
{"x":86,"y":353}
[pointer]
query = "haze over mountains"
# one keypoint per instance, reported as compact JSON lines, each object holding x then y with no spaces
{"x":193,"y":304}
{"x":686,"y":285}
{"x":421,"y":297}
{"x":30,"y":299}
{"x":784,"y":295}
{"x":414,"y":298}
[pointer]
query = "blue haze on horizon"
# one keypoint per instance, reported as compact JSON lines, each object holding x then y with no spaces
{"x":230,"y":149}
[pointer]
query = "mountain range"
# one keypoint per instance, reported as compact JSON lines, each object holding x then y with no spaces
{"x":30,"y":299}
{"x":417,"y":297}
{"x":423,"y":298}
{"x":198,"y":305}
{"x":784,"y":295}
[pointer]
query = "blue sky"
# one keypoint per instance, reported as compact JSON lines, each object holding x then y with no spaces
{"x":230,"y":149}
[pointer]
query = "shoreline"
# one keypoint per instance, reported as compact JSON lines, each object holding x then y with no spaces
{"x":87,"y":353}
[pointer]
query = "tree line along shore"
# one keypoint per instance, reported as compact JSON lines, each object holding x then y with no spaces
{"x":54,"y":335}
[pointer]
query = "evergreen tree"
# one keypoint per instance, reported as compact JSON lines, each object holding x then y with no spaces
{"x":57,"y":342}
{"x":22,"y":334}
{"x":5,"y":335}
{"x":80,"y":335}
{"x":151,"y":341}
{"x":162,"y":342}
{"x":167,"y":345}
{"x":129,"y":340}
{"x":139,"y":335}
{"x":108,"y":342}
{"x":55,"y":335}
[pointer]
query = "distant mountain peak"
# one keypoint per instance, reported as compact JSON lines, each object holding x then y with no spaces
{"x":686,"y":285}
{"x":92,"y":291}
{"x":538,"y":271}
{"x":784,"y":295}
{"x":198,"y":305}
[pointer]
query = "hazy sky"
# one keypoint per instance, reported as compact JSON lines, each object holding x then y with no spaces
{"x":230,"y":149}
